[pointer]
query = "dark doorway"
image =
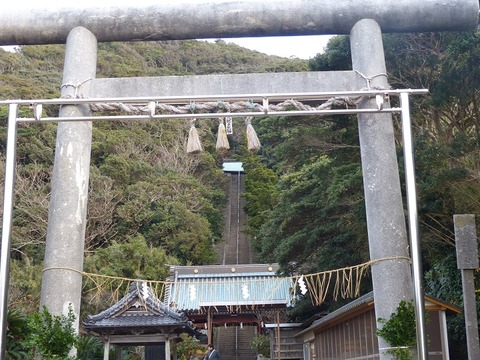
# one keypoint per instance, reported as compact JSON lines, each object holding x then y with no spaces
{"x":155,"y":352}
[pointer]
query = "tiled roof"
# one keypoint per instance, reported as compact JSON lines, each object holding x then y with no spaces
{"x":139,"y":308}
{"x":366,"y":300}
{"x":191,"y":288}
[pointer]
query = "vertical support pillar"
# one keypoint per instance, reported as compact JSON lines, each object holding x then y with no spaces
{"x":279,"y":339}
{"x":444,"y":335}
{"x":467,"y":262}
{"x":61,"y":278}
{"x":209,"y":326}
{"x":391,"y":275}
{"x":415,"y":248}
{"x":167,"y":348}
{"x":173,"y":351}
{"x":7,"y":222}
{"x":106,"y":349}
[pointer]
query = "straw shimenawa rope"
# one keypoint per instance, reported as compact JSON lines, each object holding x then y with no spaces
{"x":344,"y":282}
{"x":212,"y":106}
{"x":194,"y":144}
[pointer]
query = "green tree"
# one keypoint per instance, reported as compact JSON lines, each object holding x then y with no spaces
{"x":188,"y":347}
{"x":52,"y":336}
{"x":317,"y":217}
{"x":336,"y":56}
{"x":89,"y":348}
{"x":400,"y":331}
{"x":260,"y":193}
{"x":261,"y":345}
{"x":131,"y":259}
{"x":17,"y":331}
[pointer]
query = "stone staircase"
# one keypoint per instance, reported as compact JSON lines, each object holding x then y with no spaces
{"x":234,"y":342}
{"x":290,"y":347}
{"x":237,"y":245}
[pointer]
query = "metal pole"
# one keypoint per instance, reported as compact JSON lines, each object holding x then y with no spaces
{"x":413,"y":228}
{"x":7,"y":222}
{"x":194,"y":97}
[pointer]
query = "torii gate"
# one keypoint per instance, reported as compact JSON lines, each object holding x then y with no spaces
{"x":81,"y":28}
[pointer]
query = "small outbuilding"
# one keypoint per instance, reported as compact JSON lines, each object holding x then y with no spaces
{"x":350,"y":332}
{"x":140,"y":319}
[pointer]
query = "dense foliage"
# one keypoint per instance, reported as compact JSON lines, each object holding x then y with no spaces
{"x":51,"y":336}
{"x":150,"y":202}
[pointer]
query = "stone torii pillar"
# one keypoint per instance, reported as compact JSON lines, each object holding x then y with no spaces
{"x":387,"y":235}
{"x":64,"y":252}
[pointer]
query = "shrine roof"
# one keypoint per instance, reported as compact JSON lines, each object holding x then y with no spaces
{"x":139,"y":308}
{"x":191,"y":288}
{"x":233,"y":167}
{"x":367,"y":302}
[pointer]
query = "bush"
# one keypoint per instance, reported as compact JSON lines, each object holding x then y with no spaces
{"x":261,"y":344}
{"x":52,"y":336}
{"x":400,"y":331}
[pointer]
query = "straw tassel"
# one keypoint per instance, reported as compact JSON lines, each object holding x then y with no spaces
{"x":253,"y":143}
{"x":222,"y":139}
{"x":193,"y":144}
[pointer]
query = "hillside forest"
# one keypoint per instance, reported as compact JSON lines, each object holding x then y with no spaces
{"x":152,"y":204}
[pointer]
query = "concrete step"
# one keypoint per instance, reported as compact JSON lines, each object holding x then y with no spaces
{"x":234,"y":342}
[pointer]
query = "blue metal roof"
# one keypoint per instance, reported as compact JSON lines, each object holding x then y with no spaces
{"x":233,"y":167}
{"x":241,"y":286}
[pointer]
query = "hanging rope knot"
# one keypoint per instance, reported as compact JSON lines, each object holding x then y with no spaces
{"x":75,"y":86}
{"x":250,"y":105}
{"x":125,"y":108}
{"x":369,"y":79}
{"x":192,"y":107}
{"x":221,"y":105}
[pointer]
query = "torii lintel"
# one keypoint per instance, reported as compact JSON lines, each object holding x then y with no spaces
{"x":202,"y":19}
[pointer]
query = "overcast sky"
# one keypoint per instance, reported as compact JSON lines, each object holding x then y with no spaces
{"x":303,"y":47}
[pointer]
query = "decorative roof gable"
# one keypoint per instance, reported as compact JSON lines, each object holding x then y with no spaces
{"x":138,"y":309}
